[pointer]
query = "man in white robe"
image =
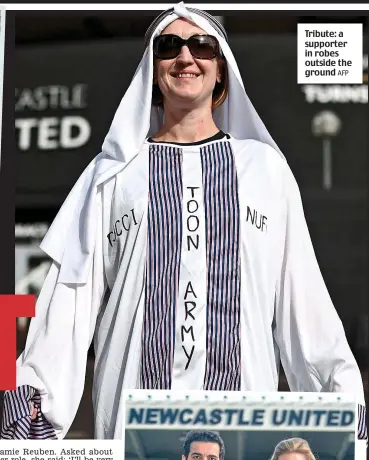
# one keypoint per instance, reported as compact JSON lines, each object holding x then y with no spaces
{"x":190,"y":265}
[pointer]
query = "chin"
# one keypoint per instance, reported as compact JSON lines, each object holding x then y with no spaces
{"x":185,"y":102}
{"x":186,"y":96}
{"x":186,"y":99}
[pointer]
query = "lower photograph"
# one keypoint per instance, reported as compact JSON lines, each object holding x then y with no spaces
{"x":174,"y":425}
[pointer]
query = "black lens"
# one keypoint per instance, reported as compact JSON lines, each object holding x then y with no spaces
{"x":167,"y":46}
{"x":203,"y":46}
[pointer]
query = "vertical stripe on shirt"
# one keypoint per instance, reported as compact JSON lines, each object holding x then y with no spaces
{"x":362,"y":432}
{"x":223,"y":263}
{"x":17,"y":422}
{"x":164,"y":241}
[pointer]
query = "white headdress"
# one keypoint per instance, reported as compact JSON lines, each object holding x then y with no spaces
{"x":135,"y":118}
{"x":134,"y":121}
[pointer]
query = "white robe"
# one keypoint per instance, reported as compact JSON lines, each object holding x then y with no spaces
{"x":285,"y":311}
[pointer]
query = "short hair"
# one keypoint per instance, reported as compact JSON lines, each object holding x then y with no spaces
{"x":295,"y":446}
{"x":203,"y":436}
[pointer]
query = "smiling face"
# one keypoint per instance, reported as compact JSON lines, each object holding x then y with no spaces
{"x":200,"y":450}
{"x":186,"y":81}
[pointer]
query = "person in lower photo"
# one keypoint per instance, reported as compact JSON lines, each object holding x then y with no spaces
{"x":203,"y":445}
{"x":293,"y":449}
{"x":182,"y":252}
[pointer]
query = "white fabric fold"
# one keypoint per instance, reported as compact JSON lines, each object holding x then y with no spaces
{"x":285,"y":307}
{"x":134,"y":121}
{"x":69,"y":306}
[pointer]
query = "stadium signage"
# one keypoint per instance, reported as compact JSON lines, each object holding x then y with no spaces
{"x":46,"y":117}
{"x":257,"y":417}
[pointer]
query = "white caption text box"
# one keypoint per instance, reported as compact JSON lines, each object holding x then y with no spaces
{"x":330,"y":53}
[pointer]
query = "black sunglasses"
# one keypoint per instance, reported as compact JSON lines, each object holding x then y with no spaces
{"x":169,"y":46}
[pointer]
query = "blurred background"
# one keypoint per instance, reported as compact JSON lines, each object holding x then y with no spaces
{"x":72,"y":68}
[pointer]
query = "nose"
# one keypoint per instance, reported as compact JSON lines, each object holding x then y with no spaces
{"x":185,"y":55}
